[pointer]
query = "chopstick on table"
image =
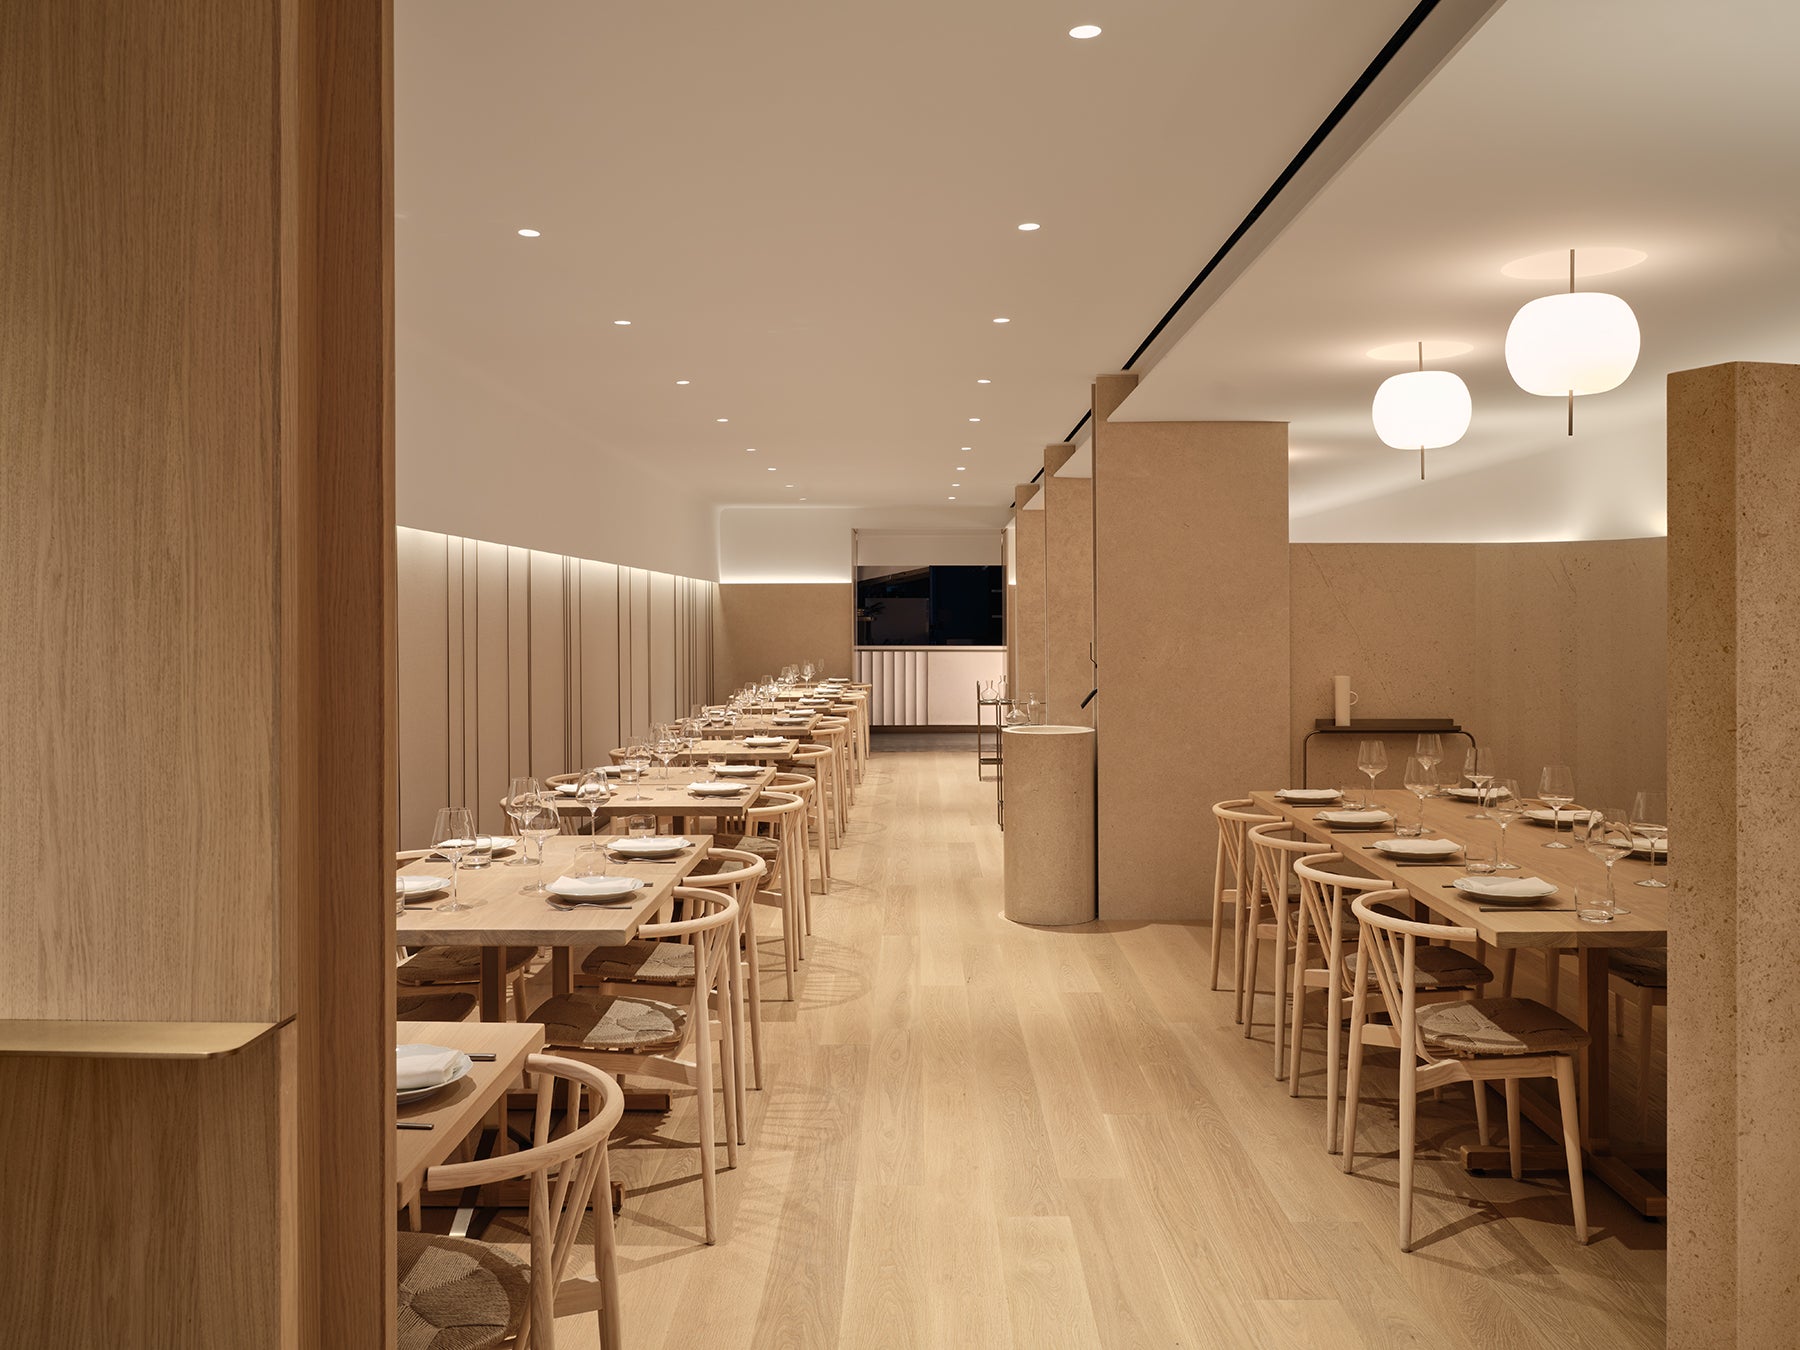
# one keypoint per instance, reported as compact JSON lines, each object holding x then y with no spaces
{"x":414,"y":1125}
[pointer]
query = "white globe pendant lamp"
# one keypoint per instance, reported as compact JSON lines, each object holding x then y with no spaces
{"x":1583,"y":342}
{"x":1422,"y":409}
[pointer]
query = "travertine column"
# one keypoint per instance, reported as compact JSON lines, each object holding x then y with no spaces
{"x":1028,"y":595}
{"x":1191,"y":625}
{"x":1734,"y":946}
{"x":1049,"y":824}
{"x":1068,"y":591}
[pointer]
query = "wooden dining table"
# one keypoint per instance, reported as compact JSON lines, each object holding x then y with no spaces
{"x":737,"y":752}
{"x":765,"y":724}
{"x":1550,"y":926}
{"x":499,"y":916}
{"x":453,"y":1112}
{"x":655,"y":795}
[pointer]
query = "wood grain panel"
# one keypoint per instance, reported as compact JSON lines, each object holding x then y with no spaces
{"x":761,"y":628}
{"x":599,"y":661}
{"x":424,"y":714}
{"x":547,"y":660}
{"x":493,"y":690}
{"x":662,"y":646}
{"x":1027,"y":595}
{"x":518,"y":660}
{"x":636,"y":652}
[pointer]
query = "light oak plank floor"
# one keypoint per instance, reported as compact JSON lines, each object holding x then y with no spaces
{"x":975,"y":1134}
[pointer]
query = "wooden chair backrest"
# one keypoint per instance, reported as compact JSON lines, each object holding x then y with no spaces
{"x":1390,"y":948}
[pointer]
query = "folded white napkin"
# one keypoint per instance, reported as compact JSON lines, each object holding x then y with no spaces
{"x":586,"y":887}
{"x":738,"y":770}
{"x":568,"y":789}
{"x":1514,"y":888}
{"x":715,"y":789}
{"x":1355,"y":817}
{"x":1309,"y":794}
{"x":422,"y":1066}
{"x":764,"y":740}
{"x":657,"y":843}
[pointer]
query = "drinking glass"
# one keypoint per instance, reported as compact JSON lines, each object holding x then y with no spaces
{"x":1420,"y":778}
{"x":453,"y":835}
{"x":517,"y":792}
{"x":1505,"y":808}
{"x":1607,"y":835}
{"x":1650,"y":823}
{"x":1478,"y":768}
{"x":641,"y":827}
{"x":1479,"y":859}
{"x":635,"y":765}
{"x":1371,"y":758}
{"x":1556,"y":789}
{"x":590,"y":791}
{"x":541,"y":822}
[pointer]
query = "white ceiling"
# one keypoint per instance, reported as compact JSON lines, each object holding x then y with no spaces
{"x":809,"y":210}
{"x":1657,"y":125}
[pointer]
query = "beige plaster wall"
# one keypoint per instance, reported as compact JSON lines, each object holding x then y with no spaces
{"x":1548,"y":653}
{"x":1068,"y":595}
{"x":1025,"y":618}
{"x":1191,"y":610}
{"x":763,"y":627}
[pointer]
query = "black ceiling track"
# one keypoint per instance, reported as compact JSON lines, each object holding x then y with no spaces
{"x":1370,"y":73}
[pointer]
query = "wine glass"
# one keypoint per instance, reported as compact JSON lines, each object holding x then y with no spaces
{"x":453,"y":835}
{"x":1504,"y":808}
{"x":542,"y":821}
{"x":635,"y":765}
{"x":1430,"y":749}
{"x":1478,"y":768}
{"x":1607,"y":835}
{"x":1556,"y":789}
{"x":668,"y":749}
{"x":1420,"y":778}
{"x":517,"y":792}
{"x":590,"y":790}
{"x":1650,"y":823}
{"x":1371,"y":758}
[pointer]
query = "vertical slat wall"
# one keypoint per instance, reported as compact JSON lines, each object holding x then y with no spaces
{"x":513,"y":661}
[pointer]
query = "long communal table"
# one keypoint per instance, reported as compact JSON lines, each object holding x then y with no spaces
{"x":1647,"y":925}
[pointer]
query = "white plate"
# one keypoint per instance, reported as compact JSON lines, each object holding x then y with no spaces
{"x":1479,"y":887}
{"x":1309,"y":794}
{"x":1470,"y":794}
{"x":1354,"y":817}
{"x":648,"y":846}
{"x":1543,"y":815}
{"x":765,"y":742}
{"x":594,"y":888}
{"x":738,"y":770}
{"x":568,"y":789}
{"x":1642,"y":846}
{"x":414,"y":888}
{"x":1418,"y":848}
{"x":463,"y":1065}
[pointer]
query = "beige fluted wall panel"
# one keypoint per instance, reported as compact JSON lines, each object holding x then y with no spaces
{"x":1734,"y":739}
{"x":1549,"y":653}
{"x":765,"y":626}
{"x":1025,"y":616}
{"x":514,"y":661}
{"x":1068,"y":591}
{"x":1191,"y":618}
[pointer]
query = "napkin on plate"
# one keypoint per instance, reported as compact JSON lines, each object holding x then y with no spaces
{"x":425,"y":1067}
{"x":1309,"y":794}
{"x":1418,"y":848}
{"x":1354,"y":817}
{"x":1513,"y":888}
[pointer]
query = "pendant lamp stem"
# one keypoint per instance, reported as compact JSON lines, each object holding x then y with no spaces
{"x":1571,"y":392}
{"x":1571,"y":412}
{"x":1421,"y":464}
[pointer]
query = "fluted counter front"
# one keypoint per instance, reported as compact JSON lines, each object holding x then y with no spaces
{"x":1050,"y":874}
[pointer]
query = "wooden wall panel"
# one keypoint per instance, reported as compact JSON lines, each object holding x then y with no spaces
{"x":424,"y":671}
{"x":662,"y":646}
{"x":761,"y":628}
{"x":514,"y":661}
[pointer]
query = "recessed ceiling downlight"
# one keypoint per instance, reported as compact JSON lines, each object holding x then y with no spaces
{"x":684,"y":382}
{"x":1085,"y":31}
{"x":1002,"y":320}
{"x":621,"y":323}
{"x":1029,"y":226}
{"x":984,"y":382}
{"x":721,"y":419}
{"x":529,"y":234}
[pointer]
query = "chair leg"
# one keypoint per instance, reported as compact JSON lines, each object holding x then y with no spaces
{"x":1565,"y":1105}
{"x":1298,"y":1024}
{"x":1218,"y":914}
{"x":707,"y":1127}
{"x":1507,"y":958}
{"x":1279,"y":972}
{"x":1515,"y":1141}
{"x":1359,"y":1004}
{"x":729,"y":1073}
{"x":1481,"y":1111}
{"x":1247,"y":1001}
{"x":1409,"y":1124}
{"x":1646,"y":1027}
{"x":1334,"y":1048}
{"x":606,"y":1258}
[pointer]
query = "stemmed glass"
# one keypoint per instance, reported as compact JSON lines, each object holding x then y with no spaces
{"x":635,"y":765}
{"x":1429,"y":750}
{"x":453,"y":835}
{"x":668,"y":749}
{"x":1556,"y":789}
{"x":517,"y":793}
{"x":807,"y":672}
{"x":542,"y":821}
{"x":1504,"y":807}
{"x":590,"y":790}
{"x":1607,"y":835}
{"x":1650,"y":823}
{"x":1478,"y":768}
{"x":1420,"y":778}
{"x":1371,"y":758}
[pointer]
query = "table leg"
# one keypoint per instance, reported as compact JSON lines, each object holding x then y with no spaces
{"x":492,"y":967}
{"x":562,"y":974}
{"x":1592,"y":964}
